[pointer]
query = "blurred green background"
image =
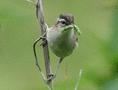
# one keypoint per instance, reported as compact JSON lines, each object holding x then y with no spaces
{"x":97,"y":53}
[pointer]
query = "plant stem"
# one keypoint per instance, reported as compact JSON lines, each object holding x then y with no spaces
{"x":42,"y":24}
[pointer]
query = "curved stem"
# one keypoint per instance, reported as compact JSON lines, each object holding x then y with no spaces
{"x":40,"y":17}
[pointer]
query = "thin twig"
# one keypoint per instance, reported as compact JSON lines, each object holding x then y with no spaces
{"x":30,"y":1}
{"x":42,"y":24}
{"x":78,"y":80}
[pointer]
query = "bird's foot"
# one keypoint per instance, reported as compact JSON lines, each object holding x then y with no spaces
{"x":44,"y":40}
{"x":51,"y":77}
{"x":43,"y":43}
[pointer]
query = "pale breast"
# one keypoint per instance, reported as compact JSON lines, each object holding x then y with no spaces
{"x":62,"y":44}
{"x":52,"y":35}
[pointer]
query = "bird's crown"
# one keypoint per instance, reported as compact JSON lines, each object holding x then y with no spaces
{"x":69,"y":18}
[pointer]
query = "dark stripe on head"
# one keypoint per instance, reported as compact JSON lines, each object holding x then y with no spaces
{"x":69,"y":18}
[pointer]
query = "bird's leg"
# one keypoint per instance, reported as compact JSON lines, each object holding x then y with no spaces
{"x":52,"y":76}
{"x":58,"y":65}
{"x":35,"y":55}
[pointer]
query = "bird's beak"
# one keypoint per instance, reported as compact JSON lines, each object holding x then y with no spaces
{"x":66,"y":28}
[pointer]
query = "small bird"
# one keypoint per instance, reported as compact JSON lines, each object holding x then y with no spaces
{"x":62,"y":37}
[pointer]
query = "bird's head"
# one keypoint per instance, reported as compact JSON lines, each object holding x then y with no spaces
{"x":65,"y":19}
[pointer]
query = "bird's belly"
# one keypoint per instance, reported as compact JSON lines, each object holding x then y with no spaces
{"x":61,"y":45}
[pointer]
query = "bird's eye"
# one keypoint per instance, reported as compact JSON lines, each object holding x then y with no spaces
{"x":63,"y":22}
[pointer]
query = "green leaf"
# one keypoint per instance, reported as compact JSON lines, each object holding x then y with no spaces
{"x":76,"y":28}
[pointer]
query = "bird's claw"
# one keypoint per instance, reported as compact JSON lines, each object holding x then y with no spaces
{"x":51,"y":77}
{"x":43,"y":43}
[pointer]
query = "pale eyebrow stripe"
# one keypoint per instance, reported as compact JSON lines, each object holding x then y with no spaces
{"x":61,"y":20}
